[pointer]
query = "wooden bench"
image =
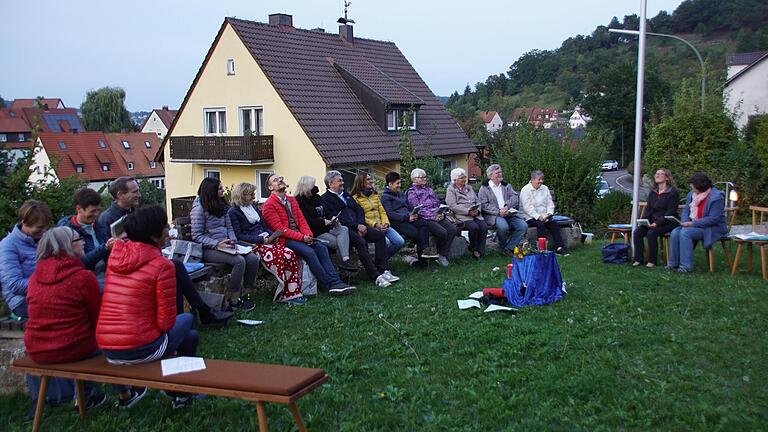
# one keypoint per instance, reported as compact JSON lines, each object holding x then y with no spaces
{"x":259,"y":383}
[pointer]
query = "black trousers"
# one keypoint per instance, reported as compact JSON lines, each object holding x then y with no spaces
{"x":653,"y":235}
{"x":478,"y":231}
{"x":380,"y":262}
{"x":549,"y":226}
{"x":418,"y":231}
{"x":185,"y":289}
{"x":444,"y":232}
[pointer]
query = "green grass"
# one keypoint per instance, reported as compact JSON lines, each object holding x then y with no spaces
{"x":630,"y":349}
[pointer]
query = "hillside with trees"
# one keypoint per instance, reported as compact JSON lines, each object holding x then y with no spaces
{"x":598,"y":71}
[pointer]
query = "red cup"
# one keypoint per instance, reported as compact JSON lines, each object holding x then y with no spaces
{"x":542,"y":243}
{"x":509,"y":271}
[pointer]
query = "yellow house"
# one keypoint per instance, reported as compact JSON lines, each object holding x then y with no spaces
{"x":271,"y":98}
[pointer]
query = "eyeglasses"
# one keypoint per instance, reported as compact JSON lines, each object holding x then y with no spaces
{"x":79,"y":239}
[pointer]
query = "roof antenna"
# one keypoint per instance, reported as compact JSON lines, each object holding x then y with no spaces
{"x":345,"y":20}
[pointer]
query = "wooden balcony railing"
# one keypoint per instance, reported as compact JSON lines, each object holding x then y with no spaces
{"x":223,"y":149}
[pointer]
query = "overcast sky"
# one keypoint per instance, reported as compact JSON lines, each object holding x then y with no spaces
{"x":153,"y":49}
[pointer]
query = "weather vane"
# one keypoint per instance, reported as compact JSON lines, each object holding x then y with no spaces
{"x":346,"y":20}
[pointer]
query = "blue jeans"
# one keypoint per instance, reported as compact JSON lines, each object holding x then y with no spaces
{"x":395,"y":241}
{"x":504,"y":225}
{"x":681,"y":244}
{"x":316,"y":256}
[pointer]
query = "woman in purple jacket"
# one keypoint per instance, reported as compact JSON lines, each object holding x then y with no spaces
{"x":419,"y":194}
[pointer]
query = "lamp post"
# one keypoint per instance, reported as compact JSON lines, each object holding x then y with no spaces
{"x":698,"y":55}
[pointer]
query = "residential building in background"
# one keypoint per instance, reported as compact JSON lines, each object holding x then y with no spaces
{"x":272,"y":98}
{"x":578,"y":118}
{"x":539,"y":117}
{"x":159,"y":121}
{"x":492,"y":120}
{"x":746,"y":86}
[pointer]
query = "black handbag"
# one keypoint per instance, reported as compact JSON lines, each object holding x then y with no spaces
{"x":616,"y":253}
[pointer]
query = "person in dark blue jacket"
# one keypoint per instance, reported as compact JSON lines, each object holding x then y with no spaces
{"x":403,"y":221}
{"x":337,"y":201}
{"x":97,"y":241}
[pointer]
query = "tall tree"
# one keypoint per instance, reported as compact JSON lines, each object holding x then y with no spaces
{"x":104,"y":110}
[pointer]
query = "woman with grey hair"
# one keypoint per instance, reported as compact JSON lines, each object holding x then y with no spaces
{"x":325,"y":227}
{"x":537,"y":207}
{"x":422,"y":196}
{"x":64,"y":302}
{"x":463,"y":202}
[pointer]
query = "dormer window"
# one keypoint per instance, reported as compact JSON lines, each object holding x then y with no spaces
{"x":147,"y":144}
{"x":79,"y":168}
{"x":102,"y":144}
{"x":152,"y":164}
{"x":62,"y":145}
{"x":395,"y":119}
{"x":126,"y":145}
{"x":130,"y":166}
{"x":105,"y":167}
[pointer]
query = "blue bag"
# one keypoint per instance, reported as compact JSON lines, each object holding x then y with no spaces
{"x":615,"y":253}
{"x":535,"y":280}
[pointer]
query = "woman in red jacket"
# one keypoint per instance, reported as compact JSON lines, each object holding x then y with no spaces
{"x":63,"y":299}
{"x":138,"y":321}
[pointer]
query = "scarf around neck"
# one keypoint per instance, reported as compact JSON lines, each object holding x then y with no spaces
{"x":698,"y":199}
{"x":251,"y":214}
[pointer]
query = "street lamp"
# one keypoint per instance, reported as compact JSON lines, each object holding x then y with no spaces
{"x":698,"y":55}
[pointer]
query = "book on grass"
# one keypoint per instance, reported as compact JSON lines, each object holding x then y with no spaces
{"x":467,"y":304}
{"x":643,"y":222}
{"x":497,"y":308}
{"x":673,"y":219}
{"x":442,"y":209}
{"x":274,"y":236}
{"x":117,"y":229}
{"x":416,"y":210}
{"x":248,"y":322}
{"x":236,"y":249}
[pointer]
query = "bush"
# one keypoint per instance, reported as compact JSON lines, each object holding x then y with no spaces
{"x":614,"y":207}
{"x":750,"y":155}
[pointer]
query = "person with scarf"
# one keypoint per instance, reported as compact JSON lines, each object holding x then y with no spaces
{"x":703,"y":219}
{"x":275,"y":258}
{"x":422,"y":196}
{"x":463,"y":202}
{"x":375,"y":214}
{"x":662,"y":201}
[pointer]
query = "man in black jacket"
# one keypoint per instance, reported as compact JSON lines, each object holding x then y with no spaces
{"x":337,"y":201}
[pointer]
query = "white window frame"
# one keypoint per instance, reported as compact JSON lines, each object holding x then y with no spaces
{"x":105,"y":167}
{"x":79,"y":168}
{"x":130,"y":166}
{"x":3,"y":137}
{"x":62,"y":145}
{"x":259,"y":126}
{"x":396,"y":116}
{"x":147,"y":144}
{"x":126,"y":144}
{"x":152,"y":164}
{"x":208,"y":171}
{"x":102,"y":144}
{"x":158,"y":183}
{"x":230,"y":66}
{"x":259,"y":192}
{"x":21,"y":137}
{"x":218,"y":130}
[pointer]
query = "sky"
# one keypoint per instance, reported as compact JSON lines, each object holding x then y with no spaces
{"x":153,"y":49}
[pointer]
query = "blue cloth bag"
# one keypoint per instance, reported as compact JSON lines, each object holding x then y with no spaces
{"x":541,"y":275}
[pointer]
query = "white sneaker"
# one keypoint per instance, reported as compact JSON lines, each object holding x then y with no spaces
{"x":390,"y":277}
{"x":443,"y":261}
{"x":382,"y":281}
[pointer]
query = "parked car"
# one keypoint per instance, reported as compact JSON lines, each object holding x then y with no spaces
{"x":603,"y":188}
{"x":610,"y":165}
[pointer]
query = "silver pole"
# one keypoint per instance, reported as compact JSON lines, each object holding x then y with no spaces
{"x":639,"y":118}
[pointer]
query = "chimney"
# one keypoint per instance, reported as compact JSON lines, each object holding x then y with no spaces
{"x":280,"y":19}
{"x":345,"y":31}
{"x":165,"y":107}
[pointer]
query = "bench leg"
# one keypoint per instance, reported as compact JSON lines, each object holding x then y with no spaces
{"x":749,"y":257}
{"x":297,"y":417}
{"x":711,"y":259}
{"x":736,"y":259}
{"x":262,"y":415}
{"x":613,"y":237}
{"x":727,"y":252}
{"x":763,"y":258}
{"x":40,"y":403}
{"x":80,"y":395}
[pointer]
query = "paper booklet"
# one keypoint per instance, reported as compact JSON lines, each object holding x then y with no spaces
{"x":272,"y":237}
{"x":643,"y":222}
{"x":179,"y":365}
{"x":416,"y":210}
{"x":752,"y":236}
{"x":673,"y":219}
{"x":442,"y":209}
{"x":467,"y":304}
{"x":497,"y":308}
{"x":477,"y":295}
{"x":117,"y":228}
{"x":250,"y":322}
{"x":474,"y":207}
{"x":236,"y":250}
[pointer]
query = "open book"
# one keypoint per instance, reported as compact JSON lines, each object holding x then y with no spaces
{"x":274,"y":236}
{"x":474,"y":207}
{"x":416,"y":210}
{"x":643,"y":222}
{"x":442,"y":209}
{"x":673,"y":219}
{"x":753,"y":236}
{"x":117,"y":228}
{"x":236,"y":250}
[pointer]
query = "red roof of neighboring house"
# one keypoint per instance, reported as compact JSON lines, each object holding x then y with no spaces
{"x":54,"y":120}
{"x":533,"y":115}
{"x":13,"y":121}
{"x":138,"y":153}
{"x":81,"y":149}
{"x":30,"y":103}
{"x":487,"y":116}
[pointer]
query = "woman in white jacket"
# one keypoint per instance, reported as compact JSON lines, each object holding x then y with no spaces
{"x":538,"y":208}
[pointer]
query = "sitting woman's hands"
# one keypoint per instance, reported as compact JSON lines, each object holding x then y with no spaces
{"x":226,"y":244}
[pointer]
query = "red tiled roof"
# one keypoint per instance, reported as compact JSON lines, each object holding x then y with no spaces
{"x":487,"y":116}
{"x":13,"y":121}
{"x":30,"y":103}
{"x":138,"y":153}
{"x":300,"y":65}
{"x":82,"y":147}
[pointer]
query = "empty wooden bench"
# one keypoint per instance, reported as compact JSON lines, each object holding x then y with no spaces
{"x":259,"y":383}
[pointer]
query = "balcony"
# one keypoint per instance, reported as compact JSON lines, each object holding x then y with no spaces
{"x":226,"y":150}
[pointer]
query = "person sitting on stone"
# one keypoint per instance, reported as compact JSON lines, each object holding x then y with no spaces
{"x":337,"y":201}
{"x":422,"y":196}
{"x":375,"y":214}
{"x":403,"y":218}
{"x":538,"y":208}
{"x":463,"y":202}
{"x":500,"y":204}
{"x":282,"y":212}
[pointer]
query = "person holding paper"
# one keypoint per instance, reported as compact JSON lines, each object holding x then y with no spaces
{"x":463,"y":202}
{"x":375,"y":214}
{"x":703,"y":219}
{"x":137,"y":319}
{"x":662,"y":201}
{"x":423,"y":196}
{"x":500,"y":204}
{"x":324,"y":226}
{"x":282,"y":212}
{"x":403,"y":217}
{"x":212,"y":228}
{"x":277,"y":259}
{"x":97,"y":241}
{"x":538,"y":208}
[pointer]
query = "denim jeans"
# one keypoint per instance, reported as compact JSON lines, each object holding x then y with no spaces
{"x":508,"y":240}
{"x":316,"y":256}
{"x":395,"y":241}
{"x":681,"y":244}
{"x":338,"y":239}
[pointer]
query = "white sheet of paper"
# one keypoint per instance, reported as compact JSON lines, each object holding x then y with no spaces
{"x":476,"y":295}
{"x":250,"y":322}
{"x":494,"y":308}
{"x":466,"y":304}
{"x":179,"y":365}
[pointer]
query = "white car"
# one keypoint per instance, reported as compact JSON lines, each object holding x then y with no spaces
{"x":610,"y":165}
{"x":603,"y":188}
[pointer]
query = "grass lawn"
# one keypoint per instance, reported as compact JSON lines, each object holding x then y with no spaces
{"x":633,"y":349}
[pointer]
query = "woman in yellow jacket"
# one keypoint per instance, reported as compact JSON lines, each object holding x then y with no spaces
{"x":375,"y":215}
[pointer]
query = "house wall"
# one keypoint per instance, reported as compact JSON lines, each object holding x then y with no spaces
{"x":41,"y":163}
{"x":293,"y":152}
{"x":156,"y":126}
{"x":749,"y":93}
